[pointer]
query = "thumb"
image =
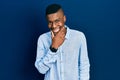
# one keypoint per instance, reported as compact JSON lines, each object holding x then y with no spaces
{"x":52,"y":34}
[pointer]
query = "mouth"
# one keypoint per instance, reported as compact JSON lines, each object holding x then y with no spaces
{"x":55,"y":30}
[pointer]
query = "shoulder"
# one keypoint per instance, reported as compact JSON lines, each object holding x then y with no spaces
{"x":78,"y":36}
{"x":77,"y":33}
{"x":44,"y":36}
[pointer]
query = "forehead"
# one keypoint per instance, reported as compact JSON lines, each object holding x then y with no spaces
{"x":54,"y":16}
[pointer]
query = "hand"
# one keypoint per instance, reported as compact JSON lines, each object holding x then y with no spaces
{"x":59,"y":38}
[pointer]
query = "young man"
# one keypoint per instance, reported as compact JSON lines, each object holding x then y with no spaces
{"x":62,"y":52}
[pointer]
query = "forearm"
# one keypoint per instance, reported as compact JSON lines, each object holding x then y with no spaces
{"x":43,"y":62}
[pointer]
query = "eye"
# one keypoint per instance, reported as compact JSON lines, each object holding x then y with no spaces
{"x":56,"y":21}
{"x":49,"y":22}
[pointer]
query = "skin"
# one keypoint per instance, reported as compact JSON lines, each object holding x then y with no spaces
{"x":56,"y":22}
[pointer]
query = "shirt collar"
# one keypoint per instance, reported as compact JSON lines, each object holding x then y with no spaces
{"x":68,"y":32}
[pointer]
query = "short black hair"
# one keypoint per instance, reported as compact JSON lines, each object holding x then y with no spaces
{"x":53,"y":8}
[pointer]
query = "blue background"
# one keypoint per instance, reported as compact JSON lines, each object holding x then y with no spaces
{"x":22,"y":21}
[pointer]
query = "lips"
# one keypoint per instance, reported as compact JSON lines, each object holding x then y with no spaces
{"x":55,"y":30}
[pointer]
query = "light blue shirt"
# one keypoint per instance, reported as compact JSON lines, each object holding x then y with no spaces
{"x":70,"y":62}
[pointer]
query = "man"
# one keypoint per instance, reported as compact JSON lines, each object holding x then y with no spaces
{"x":62,"y":52}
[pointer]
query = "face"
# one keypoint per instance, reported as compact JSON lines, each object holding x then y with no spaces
{"x":56,"y":21}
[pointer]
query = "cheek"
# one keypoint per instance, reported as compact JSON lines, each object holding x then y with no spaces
{"x":61,"y":24}
{"x":49,"y":26}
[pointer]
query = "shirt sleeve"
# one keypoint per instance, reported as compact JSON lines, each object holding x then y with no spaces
{"x":84,"y":61}
{"x":45,"y":57}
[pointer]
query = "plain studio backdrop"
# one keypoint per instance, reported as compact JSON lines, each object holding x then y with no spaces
{"x":22,"y":21}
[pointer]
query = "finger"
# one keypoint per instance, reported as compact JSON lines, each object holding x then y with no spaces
{"x":61,"y":31}
{"x":62,"y":35}
{"x":52,"y":34}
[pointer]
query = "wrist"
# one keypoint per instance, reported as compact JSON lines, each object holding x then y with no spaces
{"x":54,"y":46}
{"x":53,"y":49}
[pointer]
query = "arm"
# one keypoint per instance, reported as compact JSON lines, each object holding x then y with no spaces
{"x":84,"y":61}
{"x":45,"y":58}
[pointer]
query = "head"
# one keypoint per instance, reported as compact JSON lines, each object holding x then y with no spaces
{"x":55,"y":17}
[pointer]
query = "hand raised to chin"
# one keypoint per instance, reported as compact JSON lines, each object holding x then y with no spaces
{"x":59,"y":38}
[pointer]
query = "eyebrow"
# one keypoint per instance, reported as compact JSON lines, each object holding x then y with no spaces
{"x":55,"y":20}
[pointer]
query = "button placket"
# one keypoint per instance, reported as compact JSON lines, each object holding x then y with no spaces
{"x":61,"y":65}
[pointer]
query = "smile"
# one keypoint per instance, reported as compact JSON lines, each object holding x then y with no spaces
{"x":55,"y":30}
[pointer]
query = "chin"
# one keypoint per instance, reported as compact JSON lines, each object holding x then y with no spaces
{"x":55,"y":33}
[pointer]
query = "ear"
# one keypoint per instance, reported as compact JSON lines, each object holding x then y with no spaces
{"x":64,"y":18}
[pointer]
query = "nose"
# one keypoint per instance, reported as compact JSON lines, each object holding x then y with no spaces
{"x":53,"y":25}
